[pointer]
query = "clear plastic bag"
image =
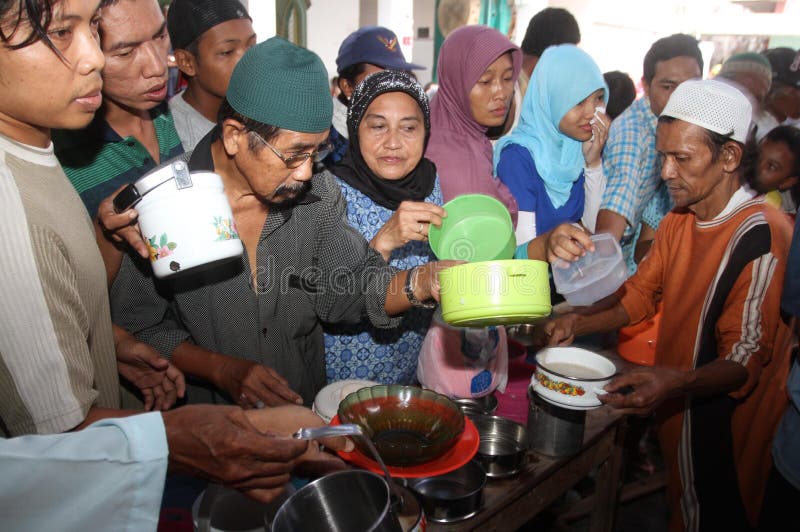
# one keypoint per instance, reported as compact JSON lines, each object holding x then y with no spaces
{"x":463,"y":361}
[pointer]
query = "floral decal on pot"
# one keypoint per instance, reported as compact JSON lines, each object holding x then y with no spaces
{"x":225,"y":229}
{"x":560,"y":387}
{"x":160,"y":248}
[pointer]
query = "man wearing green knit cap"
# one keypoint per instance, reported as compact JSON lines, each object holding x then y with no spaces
{"x":250,"y":331}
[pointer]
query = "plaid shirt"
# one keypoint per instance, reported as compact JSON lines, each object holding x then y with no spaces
{"x":632,"y":167}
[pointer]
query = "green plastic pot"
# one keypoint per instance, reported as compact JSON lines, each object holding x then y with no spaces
{"x":477,"y":228}
{"x":500,"y":292}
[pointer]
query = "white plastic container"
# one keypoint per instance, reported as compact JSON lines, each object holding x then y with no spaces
{"x":185,"y":219}
{"x":593,"y":276}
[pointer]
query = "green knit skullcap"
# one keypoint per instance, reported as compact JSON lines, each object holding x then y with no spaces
{"x":283,"y":85}
{"x":748,"y":62}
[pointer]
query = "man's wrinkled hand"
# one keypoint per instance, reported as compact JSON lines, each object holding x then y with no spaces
{"x":286,"y":420}
{"x":220,"y":444}
{"x":641,"y":390}
{"x":160,"y":383}
{"x":253,"y":385}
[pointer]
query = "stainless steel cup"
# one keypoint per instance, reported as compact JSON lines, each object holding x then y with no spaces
{"x":453,"y":496}
{"x":504,"y":445}
{"x":345,"y":500}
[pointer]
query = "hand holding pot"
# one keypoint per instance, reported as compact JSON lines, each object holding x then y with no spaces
{"x":650,"y":386}
{"x":253,"y":385}
{"x":410,"y":221}
{"x":121,"y":227}
{"x":426,"y":283}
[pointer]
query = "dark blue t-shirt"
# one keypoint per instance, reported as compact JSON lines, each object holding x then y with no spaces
{"x":517,"y":170}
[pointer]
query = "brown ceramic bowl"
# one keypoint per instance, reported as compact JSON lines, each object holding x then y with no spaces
{"x":407,"y":424}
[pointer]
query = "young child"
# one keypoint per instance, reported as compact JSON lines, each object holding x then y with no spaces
{"x":778,"y":171}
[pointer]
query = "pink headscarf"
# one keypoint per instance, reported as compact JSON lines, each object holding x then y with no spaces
{"x":458,"y":144}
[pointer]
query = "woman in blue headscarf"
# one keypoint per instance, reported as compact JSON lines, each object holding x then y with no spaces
{"x":551,"y":161}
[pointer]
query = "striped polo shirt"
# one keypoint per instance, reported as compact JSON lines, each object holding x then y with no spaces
{"x":98,"y":161}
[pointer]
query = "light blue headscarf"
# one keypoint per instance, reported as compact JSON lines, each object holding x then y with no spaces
{"x":564,"y":76}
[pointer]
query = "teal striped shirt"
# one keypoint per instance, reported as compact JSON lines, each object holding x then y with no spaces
{"x":98,"y":161}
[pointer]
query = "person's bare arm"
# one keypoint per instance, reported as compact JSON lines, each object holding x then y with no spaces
{"x":160,"y":382}
{"x":611,"y":222}
{"x":566,"y":241}
{"x":606,"y":315}
{"x":219,"y":443}
{"x":646,"y":237}
{"x":425,"y":285}
{"x":651,"y":386}
{"x":248,"y":383}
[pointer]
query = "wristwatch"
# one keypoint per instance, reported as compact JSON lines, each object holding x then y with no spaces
{"x":408,"y":290}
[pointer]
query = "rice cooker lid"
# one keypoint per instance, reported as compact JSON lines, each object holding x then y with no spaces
{"x":134,"y":192}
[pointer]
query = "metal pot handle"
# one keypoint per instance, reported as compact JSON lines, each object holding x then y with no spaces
{"x":206,"y":506}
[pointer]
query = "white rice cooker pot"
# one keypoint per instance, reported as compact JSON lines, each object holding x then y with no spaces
{"x":185,"y":218}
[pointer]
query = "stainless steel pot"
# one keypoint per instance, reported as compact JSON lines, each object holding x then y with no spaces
{"x":222,"y":509}
{"x":345,"y":500}
{"x":554,"y":431}
{"x":504,"y":446}
{"x":477,"y":406}
{"x":453,"y":496}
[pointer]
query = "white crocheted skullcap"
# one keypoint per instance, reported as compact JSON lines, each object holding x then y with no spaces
{"x":713,"y":105}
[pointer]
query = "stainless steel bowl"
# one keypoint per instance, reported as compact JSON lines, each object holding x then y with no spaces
{"x":453,"y":496}
{"x":504,"y":445}
{"x":477,"y":406}
{"x":522,"y":333}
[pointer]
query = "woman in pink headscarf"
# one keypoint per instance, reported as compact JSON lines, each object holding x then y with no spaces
{"x":478,"y":67}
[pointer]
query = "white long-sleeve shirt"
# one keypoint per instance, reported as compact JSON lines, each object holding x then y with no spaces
{"x":108,"y":476}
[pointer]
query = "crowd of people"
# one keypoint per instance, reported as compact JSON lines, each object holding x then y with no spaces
{"x":333,"y":194}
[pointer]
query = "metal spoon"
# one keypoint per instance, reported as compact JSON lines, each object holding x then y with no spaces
{"x":347,"y":429}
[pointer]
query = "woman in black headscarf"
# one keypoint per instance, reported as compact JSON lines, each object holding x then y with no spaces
{"x":393,"y":196}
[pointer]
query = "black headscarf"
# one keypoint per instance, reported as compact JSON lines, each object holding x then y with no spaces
{"x":354,"y":171}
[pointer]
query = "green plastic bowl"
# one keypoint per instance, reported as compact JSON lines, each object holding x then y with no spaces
{"x":409,"y":425}
{"x":500,"y":292}
{"x":477,"y":228}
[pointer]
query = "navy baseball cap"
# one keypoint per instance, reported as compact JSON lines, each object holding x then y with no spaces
{"x":375,"y":45}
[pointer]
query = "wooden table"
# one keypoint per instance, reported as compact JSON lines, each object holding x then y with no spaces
{"x":510,"y":503}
